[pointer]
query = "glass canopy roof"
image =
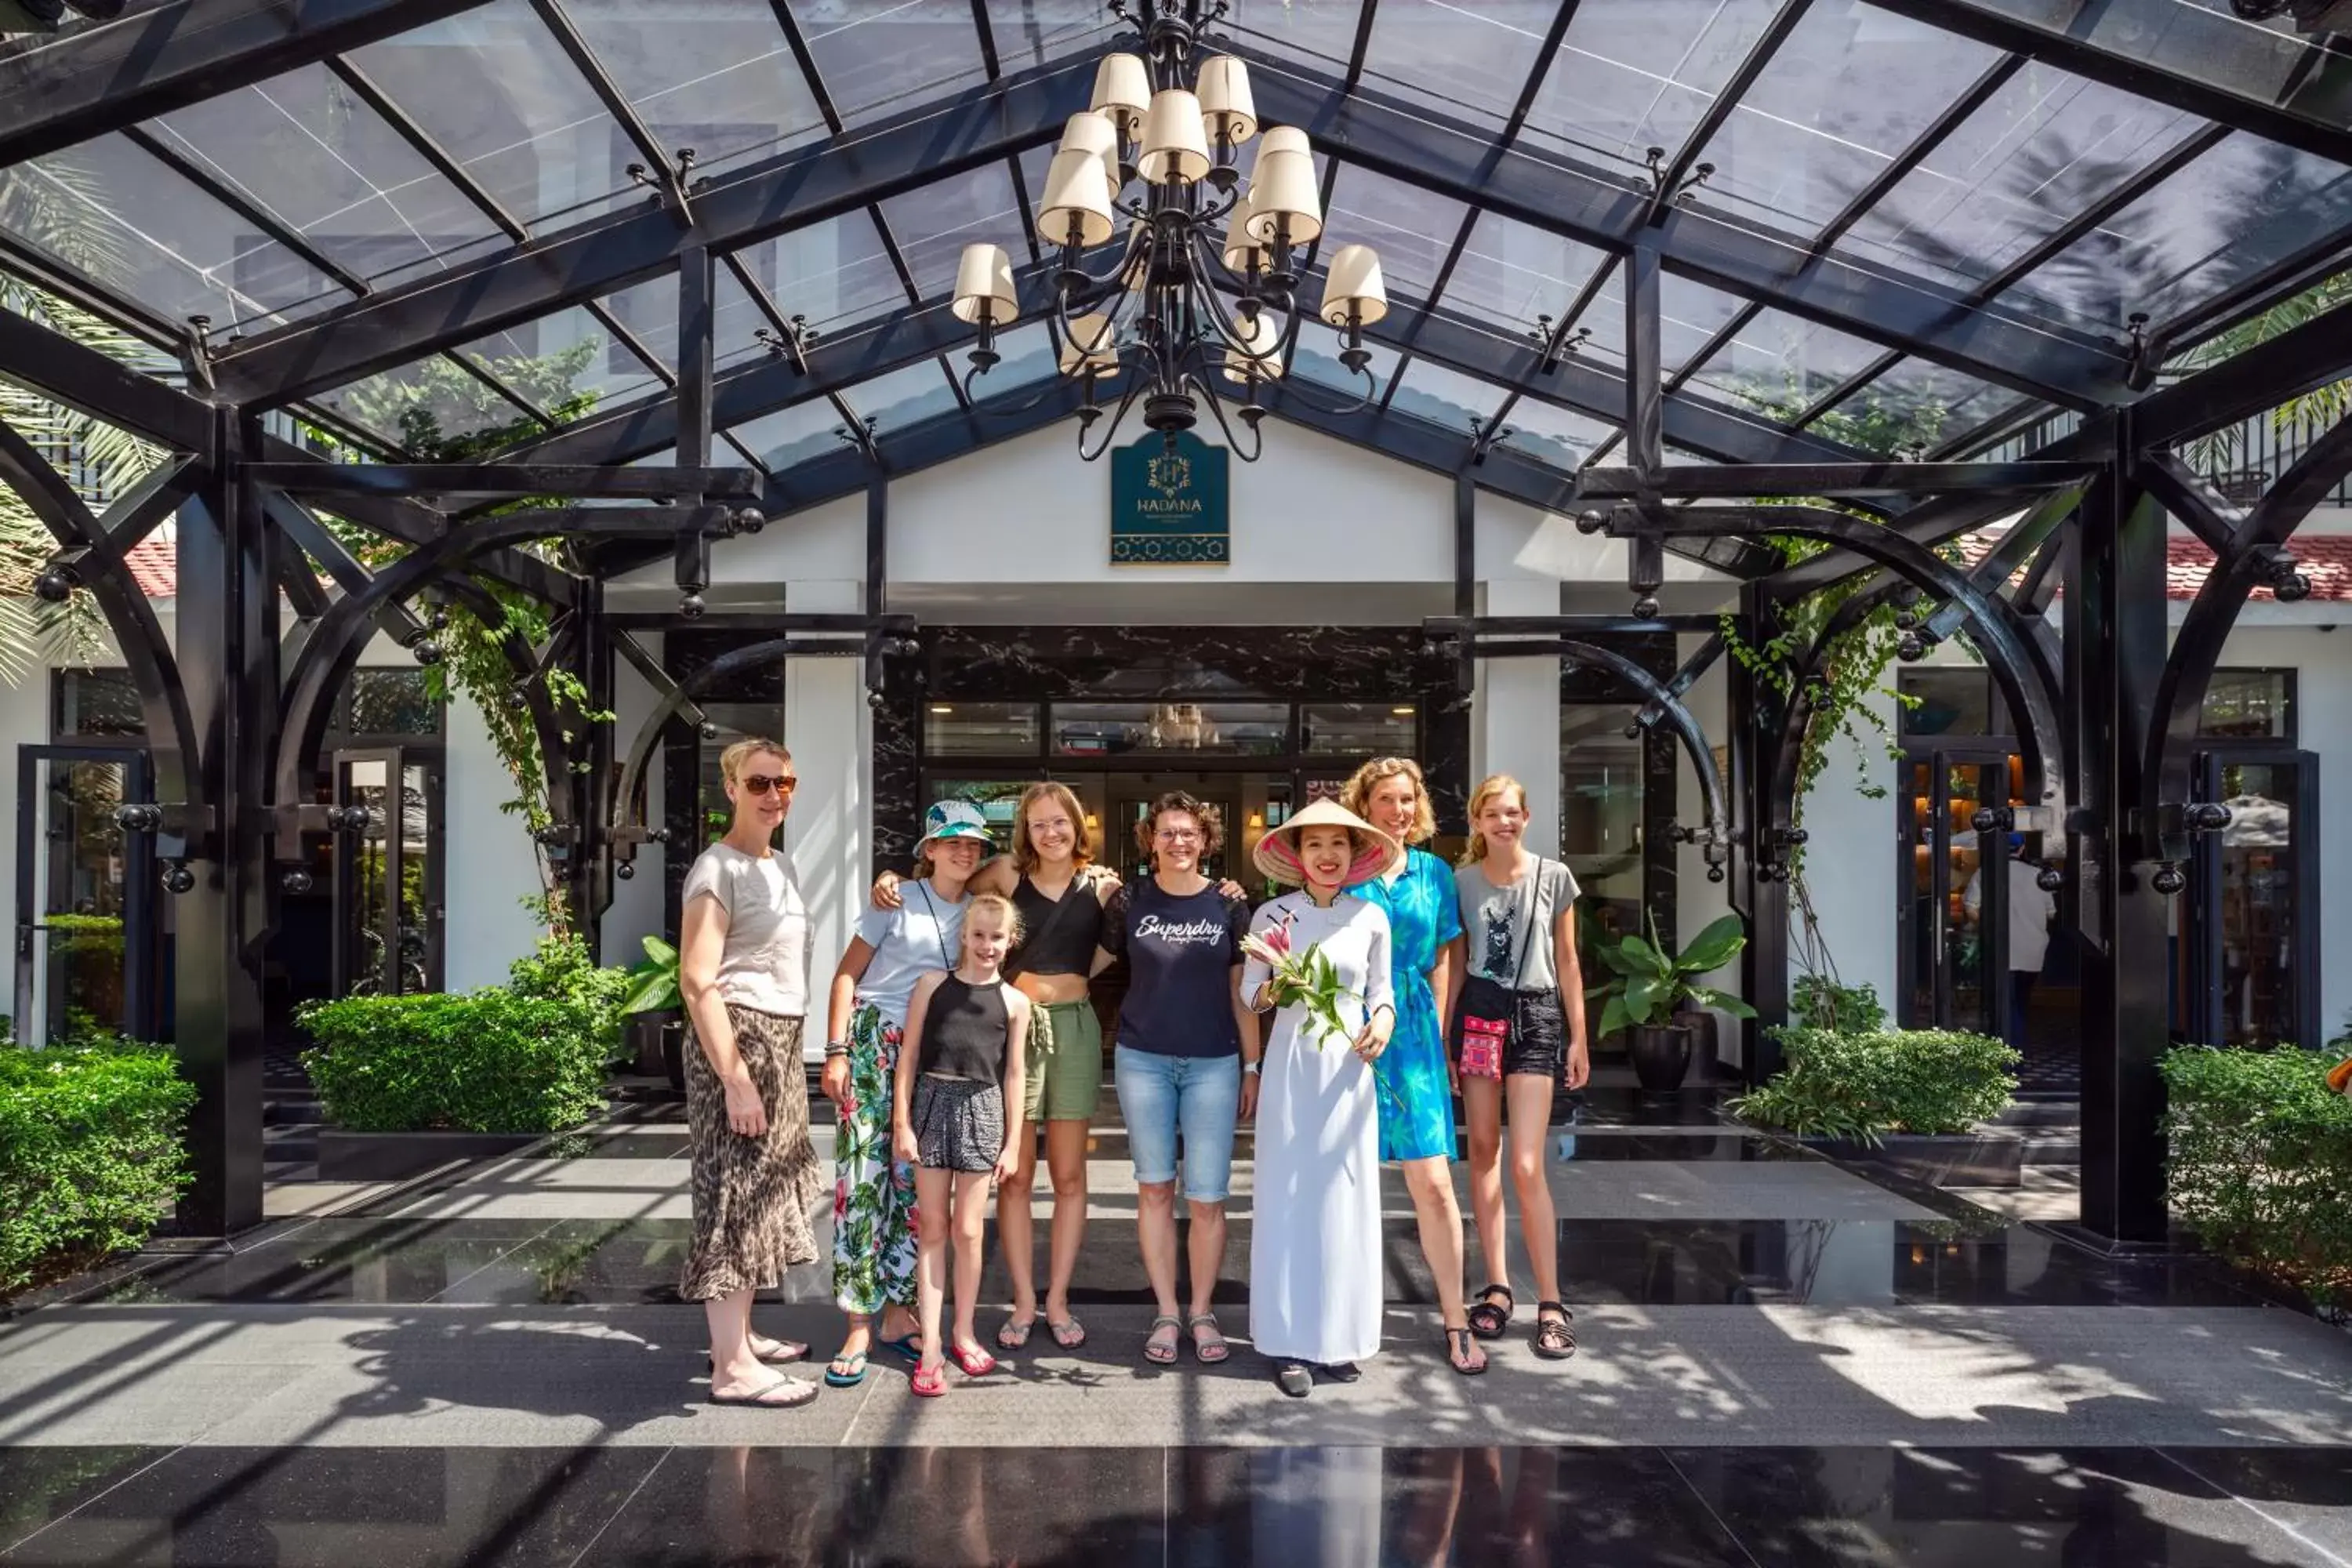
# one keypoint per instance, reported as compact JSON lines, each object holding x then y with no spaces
{"x":1998,"y":158}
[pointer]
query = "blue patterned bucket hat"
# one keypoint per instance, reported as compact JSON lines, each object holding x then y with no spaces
{"x":954,"y":819}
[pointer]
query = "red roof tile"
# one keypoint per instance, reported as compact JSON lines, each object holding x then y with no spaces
{"x":2325,"y":559}
{"x":155,"y":563}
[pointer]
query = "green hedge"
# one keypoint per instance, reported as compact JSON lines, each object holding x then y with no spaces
{"x":2261,"y":1164}
{"x":90,"y":1152}
{"x":1861,"y":1086}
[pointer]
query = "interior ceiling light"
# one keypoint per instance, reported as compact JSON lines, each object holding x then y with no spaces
{"x":1206,"y":288}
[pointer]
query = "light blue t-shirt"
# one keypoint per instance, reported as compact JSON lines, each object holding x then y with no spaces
{"x":924,"y":933}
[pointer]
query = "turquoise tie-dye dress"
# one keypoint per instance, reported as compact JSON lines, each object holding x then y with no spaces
{"x":1424,"y":914}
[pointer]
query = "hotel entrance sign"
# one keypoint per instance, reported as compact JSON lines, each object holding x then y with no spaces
{"x":1168,"y":505}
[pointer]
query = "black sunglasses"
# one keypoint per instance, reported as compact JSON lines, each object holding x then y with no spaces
{"x":760,"y":783}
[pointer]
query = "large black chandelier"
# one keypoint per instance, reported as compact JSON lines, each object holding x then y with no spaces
{"x":1206,"y":288}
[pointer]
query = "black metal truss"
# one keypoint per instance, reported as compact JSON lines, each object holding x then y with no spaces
{"x":179,"y":54}
{"x":1726,"y":480}
{"x":2300,"y":360}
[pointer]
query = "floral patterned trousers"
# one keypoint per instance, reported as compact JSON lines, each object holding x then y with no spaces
{"x":874,"y":1223}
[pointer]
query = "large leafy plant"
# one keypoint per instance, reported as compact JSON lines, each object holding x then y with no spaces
{"x":1863,"y":1085}
{"x":2260,"y":1160}
{"x":653,"y":980}
{"x":1646,"y":984}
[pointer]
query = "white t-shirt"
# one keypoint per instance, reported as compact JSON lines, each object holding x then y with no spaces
{"x":2031,"y":910}
{"x":924,"y":933}
{"x":766,"y":963}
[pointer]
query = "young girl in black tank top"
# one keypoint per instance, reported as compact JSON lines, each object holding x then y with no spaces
{"x":957,"y":1105}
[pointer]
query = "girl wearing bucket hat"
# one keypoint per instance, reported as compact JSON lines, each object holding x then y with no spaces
{"x":1315,"y":1246}
{"x":873,"y":1221}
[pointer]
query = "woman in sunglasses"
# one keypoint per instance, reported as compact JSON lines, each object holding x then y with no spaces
{"x":743,"y":973}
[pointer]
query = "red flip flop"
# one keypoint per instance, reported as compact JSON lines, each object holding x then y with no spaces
{"x":975,"y":1362}
{"x":930,"y":1383}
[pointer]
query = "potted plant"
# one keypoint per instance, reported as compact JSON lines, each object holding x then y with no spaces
{"x":656,"y":1012}
{"x":1647,"y":987}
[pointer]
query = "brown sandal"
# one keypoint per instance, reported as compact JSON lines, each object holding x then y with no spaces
{"x":1555,"y":1336}
{"x":1459,"y":1348}
{"x":1211,"y":1350}
{"x":1488,"y":1320}
{"x":1158,"y":1354}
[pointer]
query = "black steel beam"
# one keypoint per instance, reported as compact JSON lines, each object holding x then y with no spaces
{"x":178,"y":54}
{"x":1882,"y":304}
{"x":411,"y":480}
{"x":1645,"y":429}
{"x":1532,"y":88}
{"x":1927,"y":525}
{"x":269,"y":223}
{"x":84,"y":380}
{"x":2300,"y":360}
{"x":738,"y":208}
{"x":386,"y":109}
{"x":2195,"y":504}
{"x":2311,"y":115}
{"x":1798,"y":480}
{"x":1725,"y":99}
{"x":661,"y":169}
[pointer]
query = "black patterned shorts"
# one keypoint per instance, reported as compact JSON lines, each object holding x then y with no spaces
{"x":959,"y":1124}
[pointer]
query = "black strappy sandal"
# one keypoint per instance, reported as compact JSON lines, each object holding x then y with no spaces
{"x":1555,"y":1336}
{"x":1488,"y":1320}
{"x":1459,"y":1346}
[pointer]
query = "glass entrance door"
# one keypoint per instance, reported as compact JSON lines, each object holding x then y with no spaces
{"x":388,"y":910}
{"x":2255,"y":948}
{"x":86,"y":947}
{"x":1952,"y":910}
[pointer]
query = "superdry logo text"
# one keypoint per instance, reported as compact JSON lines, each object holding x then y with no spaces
{"x":1152,"y":927}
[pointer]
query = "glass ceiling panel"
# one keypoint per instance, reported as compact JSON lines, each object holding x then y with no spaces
{"x":1561,"y":436}
{"x":904,"y":397}
{"x":1914,"y":406}
{"x":1443,"y":396}
{"x":497,"y":93}
{"x":1780,"y":364}
{"x":1459,"y":56}
{"x":1511,"y":272}
{"x":2041,"y":150}
{"x":1849,"y":91}
{"x":562,"y":360}
{"x":1322,"y":30}
{"x":878,"y":57}
{"x":1039,"y":31}
{"x":1629,"y":77}
{"x":1689,"y":314}
{"x":126,"y":220}
{"x":716,"y":75}
{"x":2201,"y":39}
{"x":1029,"y":358}
{"x":833,"y":272}
{"x":933,"y":224}
{"x":1413,"y":229}
{"x":303,"y":148}
{"x":423,"y":408}
{"x":2244,"y":205}
{"x":793,"y":435}
{"x":1317,"y":358}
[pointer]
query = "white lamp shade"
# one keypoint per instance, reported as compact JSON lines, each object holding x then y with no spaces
{"x":1175,"y":139}
{"x":1239,"y":246}
{"x":1225,"y":90}
{"x":1284,"y":138}
{"x":1283,"y":188}
{"x":1260,"y":354}
{"x":1092,"y":133}
{"x":1354,"y":286}
{"x":1090,"y":347}
{"x":1075,"y":189}
{"x":984,"y":286}
{"x":1122,"y":91}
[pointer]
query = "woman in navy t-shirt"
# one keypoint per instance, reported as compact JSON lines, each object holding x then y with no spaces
{"x":1186,"y":1057}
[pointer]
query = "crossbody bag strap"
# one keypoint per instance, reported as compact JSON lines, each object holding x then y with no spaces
{"x":1535,"y":909}
{"x":1081,"y":885}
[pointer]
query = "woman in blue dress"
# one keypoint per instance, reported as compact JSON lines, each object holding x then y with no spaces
{"x":1426,"y":960}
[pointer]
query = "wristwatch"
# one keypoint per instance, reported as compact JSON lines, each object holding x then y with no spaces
{"x":1253,"y":1068}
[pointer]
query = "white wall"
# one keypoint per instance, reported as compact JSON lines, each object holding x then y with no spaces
{"x":490,"y":865}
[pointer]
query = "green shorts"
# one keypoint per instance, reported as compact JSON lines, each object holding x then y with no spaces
{"x":1064,"y":1080}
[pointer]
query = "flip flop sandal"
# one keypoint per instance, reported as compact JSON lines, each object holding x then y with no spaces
{"x":1458,"y":1346}
{"x":1154,"y":1352}
{"x":1015,"y":1336}
{"x":1294,"y":1379}
{"x":974,"y":1363}
{"x":1488,"y":1320}
{"x":846,"y":1370}
{"x":929,"y":1384}
{"x":908,"y":1345}
{"x":1210,"y":1351}
{"x":1069,"y":1333}
{"x":787,"y":1351}
{"x":797,"y":1392}
{"x":1555,"y":1336}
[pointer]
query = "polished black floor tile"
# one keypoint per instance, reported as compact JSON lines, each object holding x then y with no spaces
{"x":368,"y":1260}
{"x":613,"y":1262}
{"x":344,"y":1508}
{"x":41,"y":1486}
{"x":936,"y":1508}
{"x":1875,"y":1508}
{"x":2306,"y":1491}
{"x":616,"y":1143}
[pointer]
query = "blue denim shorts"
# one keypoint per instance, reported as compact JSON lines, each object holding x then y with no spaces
{"x":1158,"y":1095}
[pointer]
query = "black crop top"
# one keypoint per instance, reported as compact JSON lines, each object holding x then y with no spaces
{"x":963,"y":1032}
{"x":1059,"y":941}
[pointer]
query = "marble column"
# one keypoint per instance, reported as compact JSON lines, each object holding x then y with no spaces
{"x":1515,"y":717}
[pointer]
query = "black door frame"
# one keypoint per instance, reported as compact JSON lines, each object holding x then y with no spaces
{"x":140,"y":912}
{"x":2202,"y":936}
{"x":390,"y":923}
{"x":1941,"y":755}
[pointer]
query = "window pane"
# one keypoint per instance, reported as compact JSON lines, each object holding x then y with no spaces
{"x":2201,"y":39}
{"x":1323,"y":30}
{"x":982,"y":729}
{"x":1948,"y":702}
{"x":1317,"y":358}
{"x":1850,"y":91}
{"x":716,"y":75}
{"x":560,"y":362}
{"x":1108,"y":729}
{"x":876,"y":58}
{"x":1915,"y":404}
{"x":905,"y":396}
{"x":1629,"y":77}
{"x":1043,"y":30}
{"x":436,"y":408}
{"x":1412,"y":228}
{"x":392,"y":702}
{"x":933,"y":224}
{"x":790,"y":436}
{"x":1362,"y":729}
{"x":835,"y":273}
{"x":2249,"y":704}
{"x":498,"y":95}
{"x":1510,"y":273}
{"x":98,"y":702}
{"x":1561,"y":436}
{"x":1779,"y":363}
{"x":2241,"y":206}
{"x":1690,"y":314}
{"x":1461,"y":59}
{"x":1443,"y":396}
{"x":2043,"y":148}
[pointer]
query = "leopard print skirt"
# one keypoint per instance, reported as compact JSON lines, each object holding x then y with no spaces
{"x":752,"y":1195}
